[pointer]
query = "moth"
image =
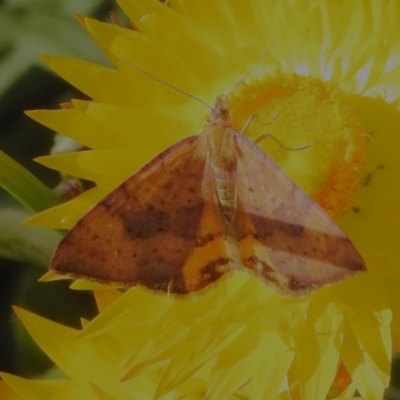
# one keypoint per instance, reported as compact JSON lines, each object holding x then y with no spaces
{"x":207,"y":206}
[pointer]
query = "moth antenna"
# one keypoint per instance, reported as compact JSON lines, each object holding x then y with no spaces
{"x":167,"y":84}
{"x":253,"y":68}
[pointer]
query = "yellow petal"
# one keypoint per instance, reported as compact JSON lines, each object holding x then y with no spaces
{"x":135,"y":126}
{"x":99,"y":83}
{"x":317,"y":354}
{"x":6,"y":393}
{"x":84,"y":284}
{"x":46,"y":389}
{"x":78,"y":126}
{"x":68,"y":164}
{"x":68,"y":213}
{"x":105,"y":297}
{"x":104,"y":33}
{"x":51,"y":276}
{"x":49,"y":335}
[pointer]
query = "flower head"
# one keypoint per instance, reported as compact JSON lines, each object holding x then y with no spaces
{"x":330,"y":79}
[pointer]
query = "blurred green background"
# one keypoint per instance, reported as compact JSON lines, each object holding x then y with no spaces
{"x":29,"y":28}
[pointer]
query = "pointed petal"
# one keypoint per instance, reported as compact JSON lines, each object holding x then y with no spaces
{"x":317,"y":355}
{"x":78,"y":126}
{"x":96,"y":81}
{"x":40,"y":389}
{"x":66,"y":215}
{"x":105,"y":297}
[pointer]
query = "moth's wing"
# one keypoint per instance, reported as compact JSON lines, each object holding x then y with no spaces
{"x":161,"y":228}
{"x":284,"y":236}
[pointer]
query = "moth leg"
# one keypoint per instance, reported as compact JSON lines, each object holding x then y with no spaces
{"x":247,"y":124}
{"x":267,"y":122}
{"x":268,"y":135}
{"x":252,"y":118}
{"x":280,"y":144}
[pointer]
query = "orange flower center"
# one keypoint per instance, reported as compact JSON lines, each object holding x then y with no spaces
{"x":317,"y":137}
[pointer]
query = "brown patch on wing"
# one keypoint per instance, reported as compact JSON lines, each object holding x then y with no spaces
{"x":156,"y":229}
{"x":284,"y":236}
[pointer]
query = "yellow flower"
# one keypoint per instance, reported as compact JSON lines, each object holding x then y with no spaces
{"x":331,"y":78}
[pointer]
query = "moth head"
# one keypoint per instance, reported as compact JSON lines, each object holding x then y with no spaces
{"x":220,"y":110}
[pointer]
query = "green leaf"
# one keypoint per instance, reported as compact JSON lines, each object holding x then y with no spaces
{"x":28,"y":28}
{"x":24,"y":186}
{"x":25,"y":243}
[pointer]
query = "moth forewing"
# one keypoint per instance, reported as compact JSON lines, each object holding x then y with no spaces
{"x":207,"y":206}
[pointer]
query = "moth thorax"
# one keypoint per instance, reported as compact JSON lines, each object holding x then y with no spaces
{"x":225,"y":191}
